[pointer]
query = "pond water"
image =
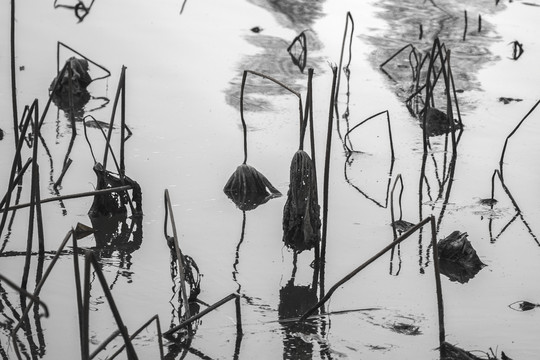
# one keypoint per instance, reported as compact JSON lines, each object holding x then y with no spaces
{"x":182,"y":92}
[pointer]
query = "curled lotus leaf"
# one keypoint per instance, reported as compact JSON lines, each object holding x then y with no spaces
{"x":248,"y":188}
{"x":301,"y":215}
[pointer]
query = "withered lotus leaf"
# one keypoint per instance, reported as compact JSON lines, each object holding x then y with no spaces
{"x":458,"y":259}
{"x":437,"y":123}
{"x":248,"y":188}
{"x":114,"y":203}
{"x":301,"y":215}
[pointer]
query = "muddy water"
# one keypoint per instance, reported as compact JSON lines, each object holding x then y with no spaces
{"x":183,"y":82}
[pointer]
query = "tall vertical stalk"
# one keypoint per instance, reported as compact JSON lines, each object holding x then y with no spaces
{"x":14,"y":80}
{"x":326,"y":179}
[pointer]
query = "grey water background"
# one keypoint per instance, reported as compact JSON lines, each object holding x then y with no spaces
{"x":183,"y":83}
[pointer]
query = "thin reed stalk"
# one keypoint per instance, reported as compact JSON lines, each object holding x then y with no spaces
{"x":501,"y":161}
{"x":39,"y":217}
{"x":11,"y":184}
{"x":309,"y":102}
{"x":436,"y":268}
{"x":34,"y":186}
{"x":85,"y":333}
{"x":15,"y":181}
{"x":72,"y":196}
{"x":348,"y":18}
{"x":179,"y":255}
{"x":119,"y":91}
{"x":400,"y":179}
{"x":78,"y":287}
{"x":479,"y":23}
{"x":123,"y":123}
{"x":13,"y":78}
{"x":466,"y":22}
{"x":326,"y":179}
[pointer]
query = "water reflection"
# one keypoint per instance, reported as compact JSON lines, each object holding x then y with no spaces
{"x":117,"y":237}
{"x":274,"y":58}
{"x":294,"y":301}
{"x":491,"y":202}
{"x":80,"y":9}
{"x":32,"y":327}
{"x":361,"y":183}
{"x":293,"y":13}
{"x":442,"y":20}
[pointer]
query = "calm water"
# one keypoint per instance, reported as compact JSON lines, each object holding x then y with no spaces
{"x":182,"y":104}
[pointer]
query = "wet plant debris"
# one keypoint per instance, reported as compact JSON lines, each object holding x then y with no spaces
{"x":458,"y":259}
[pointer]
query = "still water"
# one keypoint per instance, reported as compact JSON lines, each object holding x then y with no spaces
{"x":182,"y":93}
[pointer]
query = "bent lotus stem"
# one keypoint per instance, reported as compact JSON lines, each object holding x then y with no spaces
{"x":244,"y":127}
{"x":348,"y":18}
{"x":501,"y":161}
{"x":179,"y":254}
{"x":346,"y":137}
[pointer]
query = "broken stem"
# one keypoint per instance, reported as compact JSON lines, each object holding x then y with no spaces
{"x":71,"y":196}
{"x":179,"y":255}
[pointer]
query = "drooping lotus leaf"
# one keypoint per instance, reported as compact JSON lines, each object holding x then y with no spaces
{"x":114,"y":203}
{"x":458,"y":259}
{"x":248,"y":188}
{"x":301,"y":215}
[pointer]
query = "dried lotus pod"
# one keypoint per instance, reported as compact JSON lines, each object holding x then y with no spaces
{"x":301,"y":215}
{"x":248,"y":188}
